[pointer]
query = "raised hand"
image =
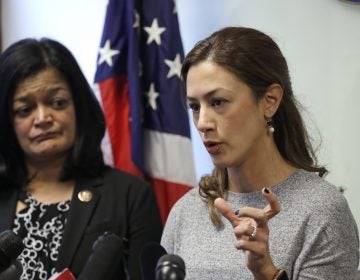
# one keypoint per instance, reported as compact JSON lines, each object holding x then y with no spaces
{"x":252,"y":233}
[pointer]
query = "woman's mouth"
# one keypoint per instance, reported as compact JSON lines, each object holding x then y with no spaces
{"x":213,"y":148}
{"x":45,"y":136}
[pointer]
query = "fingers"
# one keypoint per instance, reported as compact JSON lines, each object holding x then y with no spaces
{"x":246,"y":230}
{"x":243,"y":227}
{"x":261,"y":216}
{"x":251,"y":229}
{"x":273,"y":207}
{"x":225,"y":209}
{"x":257,"y":248}
{"x":256,"y":214}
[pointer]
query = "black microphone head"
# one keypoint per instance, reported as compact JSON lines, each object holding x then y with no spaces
{"x":14,"y":271}
{"x":170,"y":267}
{"x":149,"y":257}
{"x":105,"y":260}
{"x":11,"y":246}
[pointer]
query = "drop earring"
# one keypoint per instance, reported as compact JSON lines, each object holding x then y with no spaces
{"x":270,"y":126}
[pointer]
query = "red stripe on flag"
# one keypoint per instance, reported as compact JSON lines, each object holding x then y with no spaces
{"x":115,"y":99}
{"x":167,"y":193}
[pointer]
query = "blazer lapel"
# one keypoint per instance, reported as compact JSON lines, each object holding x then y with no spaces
{"x":83,"y":203}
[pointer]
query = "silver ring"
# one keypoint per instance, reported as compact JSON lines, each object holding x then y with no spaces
{"x":252,"y":236}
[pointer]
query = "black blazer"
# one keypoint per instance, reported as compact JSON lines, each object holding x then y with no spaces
{"x":119,"y":203}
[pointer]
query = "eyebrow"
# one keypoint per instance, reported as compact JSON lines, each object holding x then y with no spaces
{"x":21,"y":99}
{"x":206,"y":96}
{"x":51,"y":92}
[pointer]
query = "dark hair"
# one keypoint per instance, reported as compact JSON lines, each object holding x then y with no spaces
{"x":255,"y":58}
{"x":24,"y":59}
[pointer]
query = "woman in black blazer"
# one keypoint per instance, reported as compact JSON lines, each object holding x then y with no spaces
{"x":55,"y":190}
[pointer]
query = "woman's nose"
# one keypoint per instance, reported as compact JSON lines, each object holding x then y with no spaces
{"x":204,"y":122}
{"x":43,"y":116}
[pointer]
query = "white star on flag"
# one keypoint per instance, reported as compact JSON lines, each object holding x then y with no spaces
{"x":152,"y":95}
{"x":154,"y":32}
{"x":175,"y":66}
{"x":106,"y":54}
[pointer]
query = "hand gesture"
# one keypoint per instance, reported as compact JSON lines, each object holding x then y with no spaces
{"x":252,"y":233}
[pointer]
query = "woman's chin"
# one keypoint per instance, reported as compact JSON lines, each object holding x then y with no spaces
{"x":47,"y":155}
{"x":220,"y":163}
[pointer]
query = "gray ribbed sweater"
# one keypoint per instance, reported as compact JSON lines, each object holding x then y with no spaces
{"x":313,"y":237}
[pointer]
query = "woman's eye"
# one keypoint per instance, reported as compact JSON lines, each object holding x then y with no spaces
{"x":217,"y":102}
{"x":59,"y":103}
{"x":22,"y":112}
{"x":194,"y":107}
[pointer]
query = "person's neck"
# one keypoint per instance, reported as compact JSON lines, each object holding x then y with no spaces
{"x":45,"y":171}
{"x":45,"y":184}
{"x":266,"y":170}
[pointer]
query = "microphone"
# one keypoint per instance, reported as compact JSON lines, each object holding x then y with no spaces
{"x":149,"y":257}
{"x":13,"y":272}
{"x":107,"y":253}
{"x":170,"y":267}
{"x":11,"y":246}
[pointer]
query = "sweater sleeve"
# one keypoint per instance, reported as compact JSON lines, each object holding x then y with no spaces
{"x":331,"y":243}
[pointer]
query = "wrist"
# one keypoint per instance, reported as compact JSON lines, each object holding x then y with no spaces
{"x":272,"y":273}
{"x":281,"y":275}
{"x":266,"y":274}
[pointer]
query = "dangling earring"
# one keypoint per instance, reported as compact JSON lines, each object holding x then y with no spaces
{"x":270,"y":126}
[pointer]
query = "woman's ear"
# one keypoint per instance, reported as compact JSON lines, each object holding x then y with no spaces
{"x":271,"y":100}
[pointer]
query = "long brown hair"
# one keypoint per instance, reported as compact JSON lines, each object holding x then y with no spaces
{"x":255,"y":59}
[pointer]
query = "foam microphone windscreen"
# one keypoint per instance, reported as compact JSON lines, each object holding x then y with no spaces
{"x":13,"y":272}
{"x":11,"y":246}
{"x":170,"y":267}
{"x":149,"y":257}
{"x":105,"y":260}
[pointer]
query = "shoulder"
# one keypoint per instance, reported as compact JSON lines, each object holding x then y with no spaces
{"x":122,"y":190}
{"x":328,"y":225}
{"x":310,"y":200}
{"x":116,"y":184}
{"x":320,"y":190}
{"x":115,"y":174}
{"x":184,"y":212}
{"x":118,"y":178}
{"x":187,"y":201}
{"x":188,"y":208}
{"x":311,"y":191}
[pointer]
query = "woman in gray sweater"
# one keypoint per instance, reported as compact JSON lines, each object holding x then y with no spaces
{"x":265,"y":212}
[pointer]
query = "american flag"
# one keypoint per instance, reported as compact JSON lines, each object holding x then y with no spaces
{"x":138,"y":78}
